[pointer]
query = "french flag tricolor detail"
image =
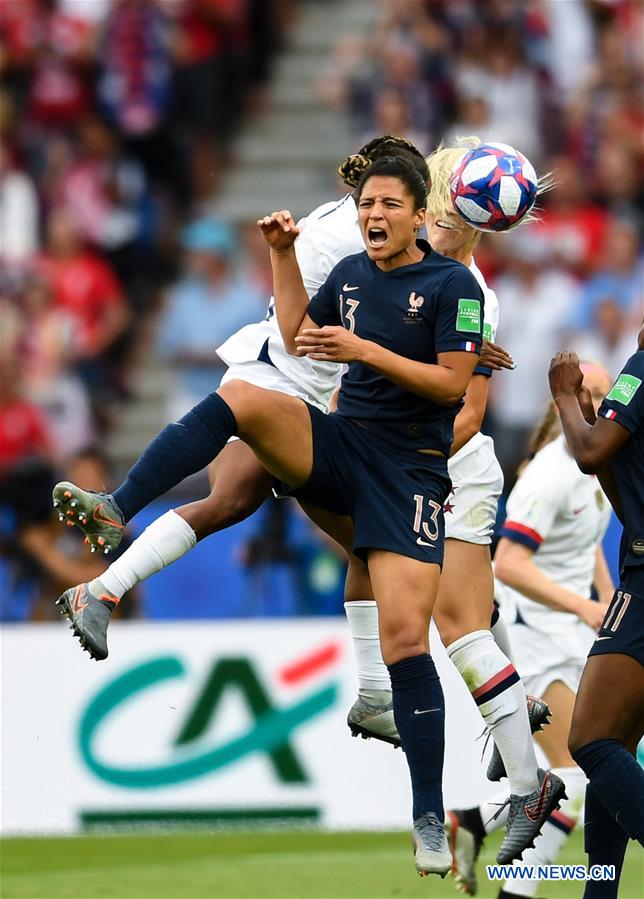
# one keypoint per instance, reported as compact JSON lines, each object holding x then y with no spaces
{"x":610,"y":413}
{"x":468,"y":345}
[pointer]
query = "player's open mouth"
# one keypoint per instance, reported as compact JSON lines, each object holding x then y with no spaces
{"x":441,"y":223}
{"x":377,"y":237}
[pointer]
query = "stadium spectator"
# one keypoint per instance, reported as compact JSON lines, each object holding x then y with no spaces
{"x":608,"y":339}
{"x":86,"y":289}
{"x":135,"y":82}
{"x":19,"y":211}
{"x":510,"y":89}
{"x":620,"y":278}
{"x":210,"y":302}
{"x":44,"y":343}
{"x":575,"y":225}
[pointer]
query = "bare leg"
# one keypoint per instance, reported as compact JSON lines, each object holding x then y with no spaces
{"x":466,"y":591}
{"x":610,"y":701}
{"x":405,"y":590}
{"x":607,"y":721}
{"x":554,"y":739}
{"x":462,"y":615}
{"x":240,"y":484}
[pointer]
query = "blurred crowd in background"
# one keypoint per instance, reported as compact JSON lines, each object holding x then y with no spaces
{"x":118,"y":120}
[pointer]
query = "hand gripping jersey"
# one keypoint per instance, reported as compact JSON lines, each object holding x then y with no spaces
{"x":562,"y":515}
{"x":330,"y":233}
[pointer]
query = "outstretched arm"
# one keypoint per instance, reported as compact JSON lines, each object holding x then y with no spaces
{"x":291,"y":298}
{"x":593,"y":445}
{"x":514,"y":566}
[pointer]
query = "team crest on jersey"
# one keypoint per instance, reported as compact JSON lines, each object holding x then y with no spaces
{"x":599,"y":499}
{"x":414,"y":305}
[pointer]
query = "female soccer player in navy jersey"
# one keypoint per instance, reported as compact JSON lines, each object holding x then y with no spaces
{"x":608,"y":719}
{"x":548,"y":558}
{"x":382,"y":457}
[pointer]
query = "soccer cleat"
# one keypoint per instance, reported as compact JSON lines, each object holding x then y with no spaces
{"x":539,"y":715}
{"x":465,"y":848}
{"x":96,"y":514}
{"x":430,"y":846}
{"x":89,"y":617}
{"x":377,"y":721}
{"x":528,"y":814}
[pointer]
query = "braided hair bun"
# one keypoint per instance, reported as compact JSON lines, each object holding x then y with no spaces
{"x":355,"y":166}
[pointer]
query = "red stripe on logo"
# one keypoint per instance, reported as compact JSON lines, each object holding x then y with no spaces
{"x":310,"y":664}
{"x":493,"y":681}
{"x":524,"y":529}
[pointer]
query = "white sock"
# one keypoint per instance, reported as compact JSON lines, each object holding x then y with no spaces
{"x":502,"y":637}
{"x":490,"y":807}
{"x":555,"y":832}
{"x":498,"y":692}
{"x":373,"y":675}
{"x":161,"y":543}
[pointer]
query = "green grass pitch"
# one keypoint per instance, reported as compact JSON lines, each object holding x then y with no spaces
{"x":251,"y":865}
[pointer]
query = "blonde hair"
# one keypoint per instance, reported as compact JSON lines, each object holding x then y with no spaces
{"x":548,"y":429}
{"x":440,"y":164}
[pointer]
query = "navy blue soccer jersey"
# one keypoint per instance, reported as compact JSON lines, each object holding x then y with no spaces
{"x":417,"y":311}
{"x":624,"y":404}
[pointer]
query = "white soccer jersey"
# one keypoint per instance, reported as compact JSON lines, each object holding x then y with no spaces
{"x":477,"y":479}
{"x":490,"y":326}
{"x":328,"y":234}
{"x":491,"y":310}
{"x":562,"y":515}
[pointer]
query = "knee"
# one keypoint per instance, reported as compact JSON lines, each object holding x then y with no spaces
{"x":242,"y":398}
{"x":449,"y":630}
{"x":403,"y":640}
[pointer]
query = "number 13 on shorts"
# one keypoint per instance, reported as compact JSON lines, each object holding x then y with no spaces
{"x":429,"y":530}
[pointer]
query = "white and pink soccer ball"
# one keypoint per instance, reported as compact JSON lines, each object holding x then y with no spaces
{"x":493,"y":187}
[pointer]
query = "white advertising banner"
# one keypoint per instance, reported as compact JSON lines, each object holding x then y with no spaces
{"x":208,"y":722}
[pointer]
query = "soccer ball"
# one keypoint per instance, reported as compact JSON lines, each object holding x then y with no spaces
{"x":493,"y":187}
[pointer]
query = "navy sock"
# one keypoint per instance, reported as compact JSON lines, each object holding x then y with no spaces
{"x":616,"y":777}
{"x":605,"y":843}
{"x":181,"y":449}
{"x":419,"y":713}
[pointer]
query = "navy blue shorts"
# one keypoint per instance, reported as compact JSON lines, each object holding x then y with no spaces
{"x":622,"y":630}
{"x":394,"y":494}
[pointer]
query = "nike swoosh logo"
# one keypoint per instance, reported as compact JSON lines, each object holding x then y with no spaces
{"x":421,"y":542}
{"x":98,"y":516}
{"x":597,"y":639}
{"x":77,"y":605}
{"x":347,"y":289}
{"x":424,"y":711}
{"x":535,"y":810}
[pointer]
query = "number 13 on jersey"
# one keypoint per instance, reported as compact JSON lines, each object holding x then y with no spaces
{"x":431,"y":531}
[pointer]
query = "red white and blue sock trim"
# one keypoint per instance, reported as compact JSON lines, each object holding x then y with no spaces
{"x":497,"y":684}
{"x":521,"y":533}
{"x":562,"y":822}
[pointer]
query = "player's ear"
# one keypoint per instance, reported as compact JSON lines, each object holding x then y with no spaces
{"x":419,"y":218}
